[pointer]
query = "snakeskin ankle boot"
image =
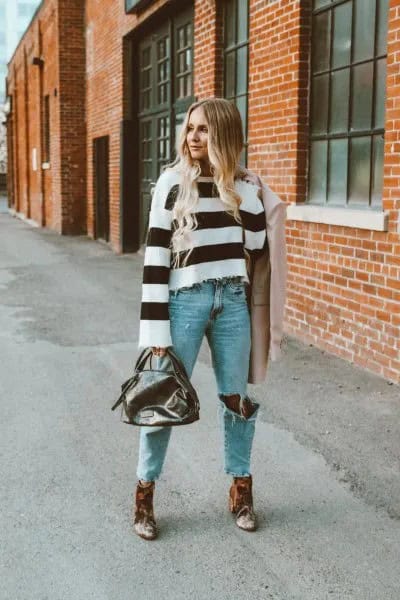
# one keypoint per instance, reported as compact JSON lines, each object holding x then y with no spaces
{"x":241,"y":503}
{"x":144,"y":522}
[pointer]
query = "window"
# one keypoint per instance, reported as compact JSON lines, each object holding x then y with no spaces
{"x":46,"y":130}
{"x":347,"y":114}
{"x":236,"y":59}
{"x":164,"y":84}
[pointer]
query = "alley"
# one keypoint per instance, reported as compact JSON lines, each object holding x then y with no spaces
{"x":326,"y":456}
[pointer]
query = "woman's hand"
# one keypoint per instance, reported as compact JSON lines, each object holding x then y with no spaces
{"x":157,"y":351}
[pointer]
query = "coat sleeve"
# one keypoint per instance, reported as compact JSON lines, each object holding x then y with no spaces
{"x":276,"y":219}
{"x":154,"y":328}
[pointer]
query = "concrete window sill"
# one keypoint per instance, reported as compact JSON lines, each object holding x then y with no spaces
{"x":347,"y":217}
{"x":45,"y":166}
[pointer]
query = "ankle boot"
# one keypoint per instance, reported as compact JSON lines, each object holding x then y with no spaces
{"x":144,"y":522}
{"x":241,"y":503}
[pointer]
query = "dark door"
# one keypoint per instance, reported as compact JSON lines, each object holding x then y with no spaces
{"x":101,"y":187}
{"x":165,"y":93}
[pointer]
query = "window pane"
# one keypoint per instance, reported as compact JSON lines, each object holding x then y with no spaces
{"x":383,"y":18}
{"x":188,"y":85}
{"x":162,"y":49}
{"x":180,"y":37}
{"x":364,"y":30}
{"x":360,"y":170}
{"x":377,"y":182}
{"x":230,"y":74}
{"x":342,"y":35}
{"x":242,"y":20}
{"x":321,"y":41}
{"x":320,"y":3}
{"x":230,"y":14}
{"x":146,"y":140}
{"x":380,"y":93}
{"x":362,"y":96}
{"x":340,"y":90}
{"x":241,"y":70}
{"x":241,"y":103}
{"x":162,"y":72}
{"x":319,"y":120}
{"x":146,"y":78}
{"x":319,"y":152}
{"x":146,"y":57}
{"x":162,"y":94}
{"x":188,"y":34}
{"x":338,"y":155}
{"x":162,"y":139}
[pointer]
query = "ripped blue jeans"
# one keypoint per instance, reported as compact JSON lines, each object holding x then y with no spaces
{"x":217,"y":309}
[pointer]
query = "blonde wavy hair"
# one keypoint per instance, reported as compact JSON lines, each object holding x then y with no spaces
{"x":225,"y":143}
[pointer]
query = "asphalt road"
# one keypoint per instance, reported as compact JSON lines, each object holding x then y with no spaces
{"x":326,"y":455}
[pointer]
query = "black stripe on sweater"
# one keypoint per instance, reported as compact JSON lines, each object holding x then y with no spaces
{"x":215,"y":220}
{"x":155,"y":274}
{"x":204,"y":254}
{"x":253,"y":222}
{"x":207,"y":189}
{"x":154,"y":311}
{"x":159,"y":237}
{"x":171,"y":198}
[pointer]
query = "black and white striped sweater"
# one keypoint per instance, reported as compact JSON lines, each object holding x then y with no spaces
{"x":217,"y":248}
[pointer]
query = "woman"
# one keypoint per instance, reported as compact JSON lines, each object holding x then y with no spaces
{"x":206,"y":225}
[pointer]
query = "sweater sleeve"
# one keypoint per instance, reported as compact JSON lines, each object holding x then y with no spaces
{"x":154,"y":329}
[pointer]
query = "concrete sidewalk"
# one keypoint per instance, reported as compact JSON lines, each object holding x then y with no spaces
{"x":3,"y":203}
{"x":326,"y":455}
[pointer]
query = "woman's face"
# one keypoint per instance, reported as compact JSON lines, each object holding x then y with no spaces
{"x":197,"y":135}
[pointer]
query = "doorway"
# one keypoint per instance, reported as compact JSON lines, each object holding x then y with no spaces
{"x":164,"y":93}
{"x":101,"y":187}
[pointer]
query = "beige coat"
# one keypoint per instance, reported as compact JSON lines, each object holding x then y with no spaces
{"x":268,"y":286}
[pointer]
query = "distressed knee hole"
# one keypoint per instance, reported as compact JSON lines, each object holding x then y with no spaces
{"x":243,"y":407}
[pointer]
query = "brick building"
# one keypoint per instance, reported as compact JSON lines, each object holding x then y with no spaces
{"x":98,"y":94}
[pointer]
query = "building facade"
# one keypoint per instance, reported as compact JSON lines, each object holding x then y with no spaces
{"x":316,"y":82}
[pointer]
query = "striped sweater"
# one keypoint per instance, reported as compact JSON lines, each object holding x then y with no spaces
{"x":217,"y":248}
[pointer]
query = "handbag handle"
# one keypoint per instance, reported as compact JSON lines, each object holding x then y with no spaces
{"x":175,"y":360}
{"x":179,"y":372}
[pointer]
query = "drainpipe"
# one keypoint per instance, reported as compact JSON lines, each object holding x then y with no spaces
{"x":39,"y":62}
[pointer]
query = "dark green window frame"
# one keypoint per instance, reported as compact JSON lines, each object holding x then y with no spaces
{"x":236,"y":60}
{"x":132,"y":6}
{"x":347,"y":106}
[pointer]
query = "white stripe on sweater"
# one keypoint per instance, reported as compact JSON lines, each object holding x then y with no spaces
{"x":155,"y":292}
{"x":160,"y":218}
{"x":154,"y":333}
{"x":157,"y":256}
{"x":186,"y":276}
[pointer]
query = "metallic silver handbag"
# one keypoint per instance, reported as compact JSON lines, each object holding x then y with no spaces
{"x":156,"y":398}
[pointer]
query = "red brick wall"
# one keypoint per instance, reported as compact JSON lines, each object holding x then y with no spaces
{"x":104,"y":30}
{"x":207,"y":49}
{"x":344,"y":283}
{"x":278,"y":91}
{"x":72,"y":68}
{"x":53,"y":197}
{"x":51,"y":177}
